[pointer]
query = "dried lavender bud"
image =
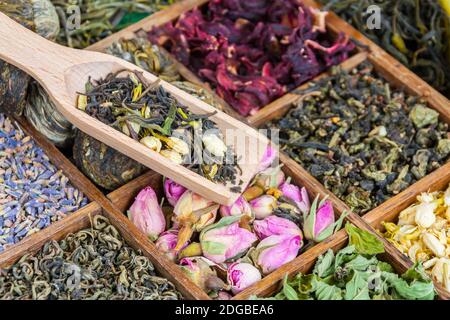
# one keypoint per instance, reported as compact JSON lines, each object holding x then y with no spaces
{"x":362,"y":139}
{"x":93,"y":263}
{"x":33,"y":192}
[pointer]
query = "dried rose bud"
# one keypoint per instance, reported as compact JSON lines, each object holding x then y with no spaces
{"x":167,"y":242}
{"x":193,"y":213}
{"x":225,"y":239}
{"x":240,"y":207}
{"x":147,"y":214}
{"x":273,"y":225}
{"x":173,"y":191}
{"x":263,"y":206}
{"x":275,"y":251}
{"x":319,"y":223}
{"x":297,"y":195}
{"x":241,"y":276}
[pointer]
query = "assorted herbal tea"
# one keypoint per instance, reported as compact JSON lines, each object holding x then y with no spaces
{"x":253,"y":52}
{"x":416,"y":33}
{"x":364,"y":140}
{"x":94,"y":263}
{"x":148,"y":114}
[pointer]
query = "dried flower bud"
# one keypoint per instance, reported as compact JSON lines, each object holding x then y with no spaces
{"x":274,"y":251}
{"x":178,"y":145}
{"x":240,"y":207}
{"x":297,"y":195}
{"x":147,"y":215}
{"x":198,"y":269}
{"x":270,"y":154}
{"x":152,"y":143}
{"x":434,"y":244}
{"x":173,"y":191}
{"x":425,"y":216}
{"x":225,"y":239}
{"x":172,"y":155}
{"x":241,"y":276}
{"x":263,"y":206}
{"x":269,"y":178}
{"x":214,"y":145}
{"x":166,"y":243}
{"x":273,"y":225}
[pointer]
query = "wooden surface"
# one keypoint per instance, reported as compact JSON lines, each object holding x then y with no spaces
{"x":63,"y":72}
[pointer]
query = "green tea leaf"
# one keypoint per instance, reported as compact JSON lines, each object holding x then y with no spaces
{"x":358,"y":287}
{"x":288,"y":291}
{"x":361,"y":263}
{"x":325,"y":265}
{"x":364,"y":242}
{"x":343,"y":256}
{"x":325,"y":291}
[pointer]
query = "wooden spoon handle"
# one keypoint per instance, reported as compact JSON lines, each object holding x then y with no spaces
{"x":39,"y":57}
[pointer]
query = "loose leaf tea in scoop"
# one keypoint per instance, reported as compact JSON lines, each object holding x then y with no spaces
{"x":253,"y":52}
{"x":364,"y":140}
{"x":147,"y":113}
{"x":415,"y":32}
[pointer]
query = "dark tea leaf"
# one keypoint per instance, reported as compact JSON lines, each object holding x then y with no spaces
{"x":364,"y":140}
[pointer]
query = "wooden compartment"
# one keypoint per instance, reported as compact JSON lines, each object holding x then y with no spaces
{"x":172,"y":13}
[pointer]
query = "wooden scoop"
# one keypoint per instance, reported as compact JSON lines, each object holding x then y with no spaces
{"x":63,"y":72}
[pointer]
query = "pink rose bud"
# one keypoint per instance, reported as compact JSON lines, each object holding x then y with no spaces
{"x":173,"y":191}
{"x":270,"y":154}
{"x":275,"y":251}
{"x":273,"y":225}
{"x":146,"y":214}
{"x":167,"y":242}
{"x":199,"y":270}
{"x":241,"y":276}
{"x":270,"y":178}
{"x":239,"y":208}
{"x":192,"y":213}
{"x":225,"y":239}
{"x":263,"y":206}
{"x":319,"y":222}
{"x":297,"y":195}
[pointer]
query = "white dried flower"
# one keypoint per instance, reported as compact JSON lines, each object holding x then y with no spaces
{"x":425,"y":197}
{"x":178,"y":145}
{"x":407,"y":216}
{"x":441,"y":272}
{"x":425,"y":216}
{"x":434,"y":244}
{"x":214,"y":145}
{"x":152,"y":143}
{"x":172,"y":155}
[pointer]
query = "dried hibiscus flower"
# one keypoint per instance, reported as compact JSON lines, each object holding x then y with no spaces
{"x":253,"y":52}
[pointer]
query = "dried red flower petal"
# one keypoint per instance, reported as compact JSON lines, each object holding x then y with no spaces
{"x":253,"y":51}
